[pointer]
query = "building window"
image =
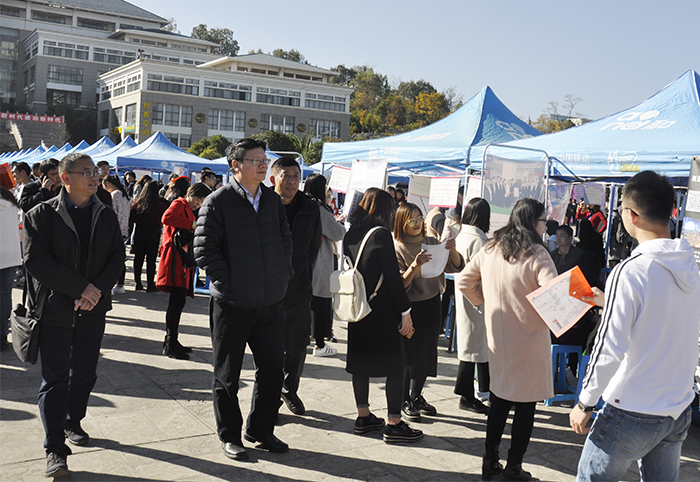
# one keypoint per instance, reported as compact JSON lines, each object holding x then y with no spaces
{"x":214,"y":119}
{"x":130,"y":114}
{"x":49,"y":17}
{"x":93,"y":24}
{"x":157,"y":114}
{"x":117,"y":117}
{"x":185,"y":141}
{"x":62,"y":97}
{"x":64,"y":75}
{"x":224,"y":90}
{"x":104,"y":119}
{"x":278,"y":100}
{"x":172,"y":115}
{"x":279,"y":123}
{"x":325,"y":128}
{"x":171,"y":137}
{"x":172,"y":87}
{"x":226,"y":120}
{"x":134,"y":86}
{"x":240,"y":122}
{"x":11,"y":12}
{"x":68,"y":51}
{"x":186,"y":117}
{"x":322,"y":105}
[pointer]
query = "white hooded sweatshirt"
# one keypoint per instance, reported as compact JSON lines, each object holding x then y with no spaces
{"x":646,"y":349}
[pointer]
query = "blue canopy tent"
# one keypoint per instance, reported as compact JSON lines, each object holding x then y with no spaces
{"x":158,"y":154}
{"x":110,"y":155}
{"x":660,"y":134}
{"x":82,"y":145}
{"x":443,"y":146}
{"x":102,"y":145}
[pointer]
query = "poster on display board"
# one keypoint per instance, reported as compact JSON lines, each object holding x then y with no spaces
{"x":444,"y":191}
{"x":364,"y":174}
{"x":591,"y":192}
{"x":179,"y":169}
{"x":419,"y":191}
{"x":473,"y":188}
{"x":506,"y":181}
{"x":340,"y":178}
{"x":691,"y":217}
{"x":558,"y":200}
{"x":142,"y":172}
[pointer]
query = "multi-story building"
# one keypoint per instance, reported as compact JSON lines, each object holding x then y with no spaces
{"x":110,"y":53}
{"x":231,"y":96}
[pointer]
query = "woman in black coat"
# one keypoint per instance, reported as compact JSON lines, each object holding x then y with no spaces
{"x":375,"y":347}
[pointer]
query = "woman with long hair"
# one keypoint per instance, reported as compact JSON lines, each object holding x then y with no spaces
{"x":140,"y":184}
{"x":174,"y":275}
{"x":509,"y":267}
{"x":146,"y":213}
{"x":121,"y":205}
{"x":332,"y":231}
{"x":10,"y":258}
{"x":472,"y":349}
{"x":375,"y":345}
{"x":177,"y":188}
{"x":424,"y":294}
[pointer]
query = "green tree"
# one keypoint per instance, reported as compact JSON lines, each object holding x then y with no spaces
{"x":278,"y":141}
{"x":293,"y":55}
{"x":212,"y":148}
{"x":345,"y":75}
{"x":222,"y":36}
{"x":430,"y":108}
{"x":410,"y":90}
{"x":171,"y":26}
{"x":80,"y":122}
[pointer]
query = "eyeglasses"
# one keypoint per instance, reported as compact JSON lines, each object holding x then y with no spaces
{"x":630,"y":210}
{"x":88,"y":174}
{"x":258,"y":162}
{"x":414,"y":221}
{"x":544,"y":220}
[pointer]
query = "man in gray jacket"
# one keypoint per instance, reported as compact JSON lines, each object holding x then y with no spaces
{"x":243,"y":242}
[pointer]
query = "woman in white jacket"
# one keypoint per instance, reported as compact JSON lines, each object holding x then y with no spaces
{"x":472,"y":349}
{"x":316,"y":188}
{"x":10,"y":257}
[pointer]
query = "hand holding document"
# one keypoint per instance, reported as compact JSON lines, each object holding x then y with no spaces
{"x":438,"y":260}
{"x":559,"y":301}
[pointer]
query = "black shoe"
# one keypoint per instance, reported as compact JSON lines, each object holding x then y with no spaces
{"x":139,"y":287}
{"x":294,"y":403}
{"x":490,"y":465}
{"x":235,"y":450}
{"x":368,"y":423}
{"x":171,"y":349}
{"x":516,"y":472}
{"x":473,"y":406}
{"x":268,"y":442}
{"x":184,"y":349}
{"x":56,"y":465}
{"x":151,"y":289}
{"x":77,"y":436}
{"x":409,"y":412}
{"x":401,"y":433}
{"x":423,"y":407}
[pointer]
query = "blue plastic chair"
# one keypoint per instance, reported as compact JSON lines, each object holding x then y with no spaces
{"x":204,"y":290}
{"x":562,"y":390}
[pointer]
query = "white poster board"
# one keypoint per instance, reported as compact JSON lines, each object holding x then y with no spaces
{"x":364,"y":174}
{"x":443,"y":192}
{"x":340,"y":178}
{"x":473,"y":188}
{"x":419,"y":192}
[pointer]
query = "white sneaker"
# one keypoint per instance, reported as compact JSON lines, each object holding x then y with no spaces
{"x":118,"y":290}
{"x":327,"y":350}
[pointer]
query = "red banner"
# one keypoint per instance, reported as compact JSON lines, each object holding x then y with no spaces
{"x":31,"y":117}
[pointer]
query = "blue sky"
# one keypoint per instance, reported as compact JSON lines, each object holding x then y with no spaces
{"x":612,"y":54}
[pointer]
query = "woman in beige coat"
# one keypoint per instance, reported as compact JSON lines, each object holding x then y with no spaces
{"x":512,"y":265}
{"x":472,"y":349}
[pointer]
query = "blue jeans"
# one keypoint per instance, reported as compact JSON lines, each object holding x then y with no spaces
{"x":619,"y":437}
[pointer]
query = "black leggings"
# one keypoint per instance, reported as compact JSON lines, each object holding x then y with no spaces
{"x":394,"y":391}
{"x":176,"y":303}
{"x":321,"y":311}
{"x":412,"y":387}
{"x":464,"y":384}
{"x":523,"y":421}
{"x":146,"y":242}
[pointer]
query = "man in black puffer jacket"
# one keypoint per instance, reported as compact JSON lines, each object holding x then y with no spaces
{"x":74,"y":254}
{"x":244,"y":244}
{"x":305,"y":222}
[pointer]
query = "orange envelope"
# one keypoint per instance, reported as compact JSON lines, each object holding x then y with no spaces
{"x":578,"y":286}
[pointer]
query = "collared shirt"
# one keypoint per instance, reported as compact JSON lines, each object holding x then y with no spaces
{"x":70,"y":204}
{"x":255,"y":201}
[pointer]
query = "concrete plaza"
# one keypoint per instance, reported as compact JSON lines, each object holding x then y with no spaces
{"x":151,"y":418}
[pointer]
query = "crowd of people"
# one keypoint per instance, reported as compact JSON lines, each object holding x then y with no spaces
{"x":269,"y":254}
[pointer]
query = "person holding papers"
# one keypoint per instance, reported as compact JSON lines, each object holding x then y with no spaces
{"x":509,"y":267}
{"x":424,"y":294}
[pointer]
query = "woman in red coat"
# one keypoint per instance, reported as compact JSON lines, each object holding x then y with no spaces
{"x":173,"y":276}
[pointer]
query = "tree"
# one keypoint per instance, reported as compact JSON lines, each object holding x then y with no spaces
{"x":430,"y":108}
{"x":293,"y":55}
{"x":222,"y":36}
{"x":345,"y":75}
{"x":570,"y":102}
{"x":212,"y":148}
{"x":278,"y":141}
{"x":171,"y":26}
{"x":80,"y":122}
{"x":552,"y":120}
{"x":410,"y":90}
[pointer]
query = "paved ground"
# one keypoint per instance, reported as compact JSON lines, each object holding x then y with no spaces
{"x":151,"y":418}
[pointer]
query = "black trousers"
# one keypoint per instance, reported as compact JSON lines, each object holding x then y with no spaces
{"x":296,"y":340}
{"x":394,"y":393}
{"x":146,"y":242}
{"x":523,"y":422}
{"x":69,"y":358}
{"x":322,"y":315}
{"x":263,"y":331}
{"x":176,"y":303}
{"x":464,"y":385}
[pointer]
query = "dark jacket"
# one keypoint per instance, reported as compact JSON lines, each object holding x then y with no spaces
{"x":33,"y":194}
{"x":247,"y":255}
{"x":52,"y":254}
{"x":375,"y":346}
{"x":306,"y":242}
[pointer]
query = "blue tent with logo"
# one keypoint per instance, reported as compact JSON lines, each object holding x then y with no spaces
{"x":103,"y":144}
{"x":158,"y":154}
{"x":111,"y":155}
{"x":443,"y":144}
{"x":660,"y":134}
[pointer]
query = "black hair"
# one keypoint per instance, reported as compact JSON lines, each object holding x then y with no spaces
{"x":552,"y":226}
{"x":652,"y":196}
{"x":567,"y":229}
{"x":199,"y":190}
{"x":206,"y":174}
{"x":477,"y":212}
{"x":7,"y":195}
{"x":113,"y":179}
{"x":23,"y":166}
{"x":315,"y":187}
{"x":519,"y":237}
{"x":237,"y":150}
{"x":102,"y":163}
{"x":374,"y":209}
{"x":148,"y":198}
{"x":282,"y":162}
{"x":49,"y":165}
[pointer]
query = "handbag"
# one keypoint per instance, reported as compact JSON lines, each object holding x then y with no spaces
{"x":349,"y":296}
{"x":25,"y":327}
{"x":182,"y":239}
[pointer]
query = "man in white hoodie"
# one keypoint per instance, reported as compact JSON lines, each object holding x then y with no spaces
{"x":646,"y":349}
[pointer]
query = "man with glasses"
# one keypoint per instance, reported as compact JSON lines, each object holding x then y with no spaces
{"x":646,"y":349}
{"x":243,"y":242}
{"x":304,"y":220}
{"x":74,"y":254}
